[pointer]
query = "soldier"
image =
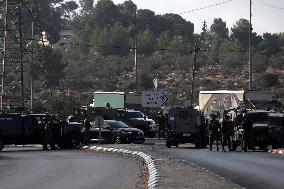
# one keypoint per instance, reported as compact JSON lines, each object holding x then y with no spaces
{"x":87,"y":126}
{"x":202,"y":130}
{"x":162,"y":124}
{"x":227,"y":132}
{"x":214,"y":129}
{"x":247,"y":127}
{"x":48,"y":133}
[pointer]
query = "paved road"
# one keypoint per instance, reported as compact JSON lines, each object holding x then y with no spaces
{"x":254,"y":170}
{"x":34,"y":169}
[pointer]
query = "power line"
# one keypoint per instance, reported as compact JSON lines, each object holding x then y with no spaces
{"x":270,"y":5}
{"x":161,"y":49}
{"x":206,"y":7}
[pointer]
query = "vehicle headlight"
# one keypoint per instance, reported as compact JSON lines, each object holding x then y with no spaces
{"x":83,"y":130}
{"x":126,"y":132}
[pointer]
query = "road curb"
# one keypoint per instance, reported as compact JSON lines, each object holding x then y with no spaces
{"x":152,"y":168}
{"x":280,"y":152}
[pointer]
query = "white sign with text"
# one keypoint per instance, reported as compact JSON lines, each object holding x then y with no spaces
{"x":153,"y":99}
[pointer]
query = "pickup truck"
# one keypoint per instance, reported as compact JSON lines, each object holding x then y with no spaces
{"x":26,"y":129}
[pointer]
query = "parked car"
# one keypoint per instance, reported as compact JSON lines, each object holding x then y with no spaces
{"x":116,"y":132}
{"x":138,"y":115}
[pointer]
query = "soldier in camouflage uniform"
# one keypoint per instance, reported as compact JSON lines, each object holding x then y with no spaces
{"x":48,"y":133}
{"x":214,"y":132}
{"x":247,"y":127}
{"x":227,"y":132}
{"x":87,"y":126}
{"x":161,"y":120}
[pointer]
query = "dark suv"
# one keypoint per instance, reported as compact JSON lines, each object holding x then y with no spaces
{"x":117,"y":132}
{"x":27,"y":128}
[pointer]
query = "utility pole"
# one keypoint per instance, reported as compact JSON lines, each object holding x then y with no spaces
{"x":32,"y":56}
{"x":193,"y":76}
{"x":250,"y":48}
{"x":21,"y":58}
{"x":135,"y":50}
{"x":4,"y":54}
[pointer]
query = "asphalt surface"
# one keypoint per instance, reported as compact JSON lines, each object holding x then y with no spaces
{"x":22,"y":168}
{"x":255,"y":170}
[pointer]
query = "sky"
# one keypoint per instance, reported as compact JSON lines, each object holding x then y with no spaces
{"x":267,"y":15}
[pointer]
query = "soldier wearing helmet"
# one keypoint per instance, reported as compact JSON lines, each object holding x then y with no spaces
{"x":227,"y":132}
{"x":214,"y":132}
{"x":47,"y":132}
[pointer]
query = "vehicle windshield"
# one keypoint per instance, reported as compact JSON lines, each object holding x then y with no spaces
{"x":118,"y":124}
{"x":135,"y":114}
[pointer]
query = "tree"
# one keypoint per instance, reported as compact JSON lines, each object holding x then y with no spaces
{"x":68,"y":8}
{"x":232,"y":57}
{"x":219,"y":33}
{"x":260,"y":63}
{"x":113,"y":41}
{"x":87,"y":6}
{"x":53,"y":67}
{"x":203,"y":40}
{"x":270,"y":44}
{"x":105,"y":14}
{"x":277,"y":61}
{"x":145,"y":20}
{"x":178,"y":45}
{"x":164,"y":40}
{"x":65,"y":104}
{"x":54,"y":10}
{"x":219,"y":29}
{"x":127,"y":13}
{"x":240,"y":34}
{"x":146,"y":82}
{"x":268,"y":80}
{"x":146,"y":42}
{"x":179,"y":26}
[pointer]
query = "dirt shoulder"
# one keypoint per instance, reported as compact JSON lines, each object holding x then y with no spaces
{"x":175,"y":173}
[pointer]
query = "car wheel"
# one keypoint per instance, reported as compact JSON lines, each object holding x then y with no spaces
{"x":117,"y":140}
{"x":73,"y":140}
{"x":1,"y":145}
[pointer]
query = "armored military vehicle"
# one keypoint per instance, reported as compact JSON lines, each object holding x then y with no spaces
{"x":185,"y":125}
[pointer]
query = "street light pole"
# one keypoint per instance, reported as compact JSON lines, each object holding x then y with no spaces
{"x":193,"y":77}
{"x":250,"y":51}
{"x":135,"y":50}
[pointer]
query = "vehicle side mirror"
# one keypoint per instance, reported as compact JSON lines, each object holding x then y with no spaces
{"x":145,"y":118}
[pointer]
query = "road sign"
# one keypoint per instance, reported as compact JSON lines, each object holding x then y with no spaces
{"x":99,"y":121}
{"x":153,"y":99}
